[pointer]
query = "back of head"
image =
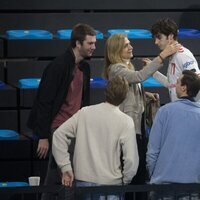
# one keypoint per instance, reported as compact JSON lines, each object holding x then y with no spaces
{"x":192,"y":81}
{"x":116,"y":90}
{"x":113,"y":49}
{"x":165,"y":26}
{"x":79,"y":33}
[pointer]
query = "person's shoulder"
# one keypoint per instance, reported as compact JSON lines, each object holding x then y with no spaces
{"x":117,"y":65}
{"x":89,"y":108}
{"x":185,"y":57}
{"x":169,"y":106}
{"x":113,"y":68}
{"x":58,"y":60}
{"x":61,"y":61}
{"x":183,"y":51}
{"x":125,"y":118}
{"x":173,"y":105}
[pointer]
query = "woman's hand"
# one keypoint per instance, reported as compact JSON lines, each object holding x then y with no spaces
{"x":146,"y":61}
{"x":170,"y":49}
{"x":153,"y":96}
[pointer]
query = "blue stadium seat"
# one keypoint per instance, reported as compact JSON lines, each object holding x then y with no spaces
{"x":2,"y":84}
{"x":132,"y":33}
{"x":97,"y":82}
{"x":151,"y":82}
{"x":28,"y":34}
{"x":66,"y":34}
{"x":13,"y":184}
{"x":188,"y":33}
{"x":29,"y":82}
{"x":6,"y":134}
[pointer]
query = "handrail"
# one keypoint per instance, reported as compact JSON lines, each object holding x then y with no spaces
{"x":192,"y":187}
{"x":32,"y":189}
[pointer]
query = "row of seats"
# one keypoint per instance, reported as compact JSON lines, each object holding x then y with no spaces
{"x":52,"y":48}
{"x":95,"y":82}
{"x":18,"y":157}
{"x":66,"y":34}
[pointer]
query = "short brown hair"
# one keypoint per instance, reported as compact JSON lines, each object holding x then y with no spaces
{"x":192,"y":81}
{"x":79,"y":33}
{"x":116,"y":90}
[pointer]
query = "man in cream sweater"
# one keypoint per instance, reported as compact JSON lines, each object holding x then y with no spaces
{"x":102,"y":134}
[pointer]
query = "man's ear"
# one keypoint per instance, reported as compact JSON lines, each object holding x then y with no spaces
{"x":184,"y":88}
{"x":171,"y":36}
{"x":78,"y":44}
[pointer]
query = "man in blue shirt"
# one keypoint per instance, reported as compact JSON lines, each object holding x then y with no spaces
{"x":173,"y":149}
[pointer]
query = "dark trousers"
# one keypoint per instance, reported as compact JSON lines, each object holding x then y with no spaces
{"x":141,"y":176}
{"x":53,"y":177}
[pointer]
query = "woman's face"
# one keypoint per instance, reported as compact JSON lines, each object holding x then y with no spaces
{"x":127,"y":51}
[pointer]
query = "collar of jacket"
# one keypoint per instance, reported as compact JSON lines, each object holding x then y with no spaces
{"x":187,"y":97}
{"x":81,"y":63}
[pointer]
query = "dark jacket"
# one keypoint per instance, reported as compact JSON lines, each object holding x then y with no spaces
{"x":53,"y":90}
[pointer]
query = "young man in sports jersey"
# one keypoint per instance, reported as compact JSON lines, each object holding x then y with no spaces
{"x":165,"y":32}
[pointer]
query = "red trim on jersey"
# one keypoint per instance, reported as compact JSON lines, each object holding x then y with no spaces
{"x":173,"y":68}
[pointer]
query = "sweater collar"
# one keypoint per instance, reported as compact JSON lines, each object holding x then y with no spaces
{"x":187,"y":97}
{"x":111,"y":105}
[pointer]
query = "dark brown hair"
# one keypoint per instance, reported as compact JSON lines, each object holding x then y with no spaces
{"x":192,"y":81}
{"x":165,"y":26}
{"x":79,"y":33}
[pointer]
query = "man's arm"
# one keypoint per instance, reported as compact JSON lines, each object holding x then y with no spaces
{"x":161,"y":78}
{"x":187,"y":62}
{"x":45,"y":98}
{"x":154,"y":144}
{"x":130,"y":152}
{"x":61,"y":141}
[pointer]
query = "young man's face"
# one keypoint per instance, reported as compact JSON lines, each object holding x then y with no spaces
{"x":88,"y":46}
{"x":162,"y":40}
{"x":127,"y":52}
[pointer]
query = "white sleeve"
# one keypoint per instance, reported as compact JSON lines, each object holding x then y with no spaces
{"x":61,"y":142}
{"x":161,"y":78}
{"x":187,"y":62}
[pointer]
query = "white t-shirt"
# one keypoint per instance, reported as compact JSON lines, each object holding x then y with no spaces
{"x":182,"y":60}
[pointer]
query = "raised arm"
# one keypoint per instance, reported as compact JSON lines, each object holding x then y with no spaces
{"x":148,"y":70}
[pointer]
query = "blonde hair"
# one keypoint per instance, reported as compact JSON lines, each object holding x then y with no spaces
{"x":113,"y":51}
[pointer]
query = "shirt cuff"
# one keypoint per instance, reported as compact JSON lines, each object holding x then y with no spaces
{"x":66,"y":168}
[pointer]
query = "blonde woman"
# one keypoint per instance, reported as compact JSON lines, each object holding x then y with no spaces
{"x":118,"y":56}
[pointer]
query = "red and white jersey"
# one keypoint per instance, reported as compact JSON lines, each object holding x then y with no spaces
{"x":182,"y":60}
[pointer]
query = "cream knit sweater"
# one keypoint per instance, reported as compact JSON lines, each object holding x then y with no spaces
{"x":102,"y":132}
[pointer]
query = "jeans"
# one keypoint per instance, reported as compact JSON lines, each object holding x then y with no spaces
{"x":178,"y":196}
{"x":96,"y":196}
